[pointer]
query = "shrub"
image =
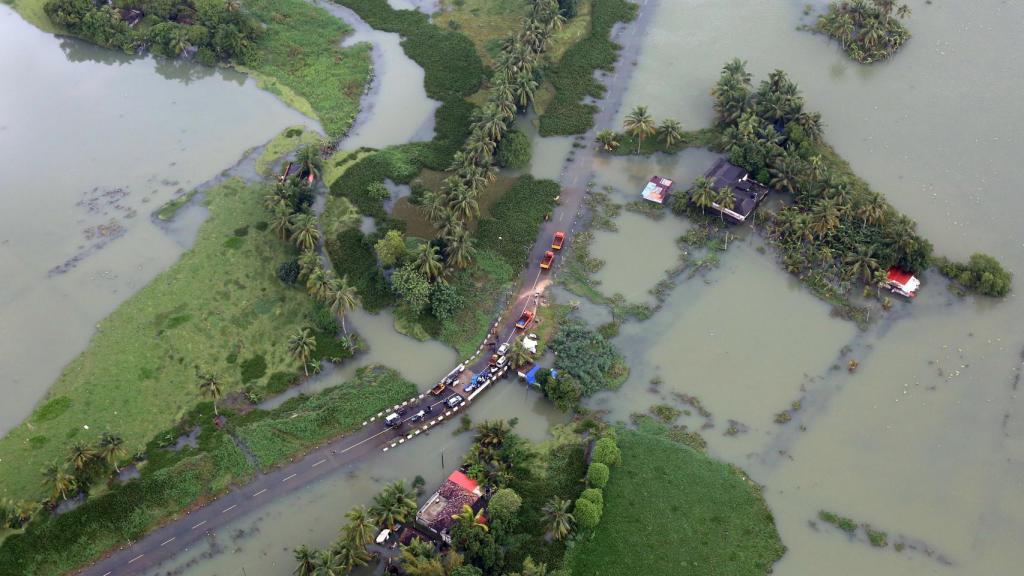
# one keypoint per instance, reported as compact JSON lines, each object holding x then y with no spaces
{"x":253,"y":368}
{"x":352,"y":255}
{"x":288,"y":272}
{"x":587,"y":356}
{"x":514,"y":150}
{"x":445,"y":301}
{"x":411,"y":287}
{"x":597,"y":475}
{"x":391,"y":249}
{"x":595,"y":495}
{"x":982,"y":274}
{"x":587,"y":514}
{"x":504,"y":505}
{"x":607,"y":452}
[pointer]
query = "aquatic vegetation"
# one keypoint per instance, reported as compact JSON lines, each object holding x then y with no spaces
{"x":573,"y":76}
{"x":982,"y":274}
{"x":642,"y":532}
{"x":843,"y":523}
{"x":866,"y":29}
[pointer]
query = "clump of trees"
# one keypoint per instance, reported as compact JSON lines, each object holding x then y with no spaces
{"x":587,"y":357}
{"x":867,"y":30}
{"x":210,"y":30}
{"x":981,"y":273}
{"x":85,"y":465}
{"x":836,"y":229}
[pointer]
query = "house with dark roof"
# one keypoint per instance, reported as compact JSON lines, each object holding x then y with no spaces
{"x":456,"y":491}
{"x":747,"y":193}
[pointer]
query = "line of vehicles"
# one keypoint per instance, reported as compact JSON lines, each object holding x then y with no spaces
{"x":497,"y":365}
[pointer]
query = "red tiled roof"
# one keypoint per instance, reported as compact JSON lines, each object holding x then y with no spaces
{"x":897,"y":275}
{"x":463,"y":481}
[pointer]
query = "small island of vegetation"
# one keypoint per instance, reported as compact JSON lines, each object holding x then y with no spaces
{"x":866,"y":29}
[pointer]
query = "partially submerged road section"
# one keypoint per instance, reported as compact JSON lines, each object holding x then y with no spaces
{"x":374,"y":438}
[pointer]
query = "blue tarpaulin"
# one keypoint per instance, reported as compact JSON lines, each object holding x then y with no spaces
{"x":531,"y":376}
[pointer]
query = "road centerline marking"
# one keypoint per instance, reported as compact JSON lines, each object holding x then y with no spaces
{"x":258,"y":493}
{"x":168,"y":541}
{"x":198,"y":525}
{"x":136,"y":558}
{"x":287,"y":478}
{"x":229,"y":508}
{"x":315,"y":464}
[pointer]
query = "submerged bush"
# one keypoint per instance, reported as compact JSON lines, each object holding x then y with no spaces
{"x":514,"y":150}
{"x":982,"y":274}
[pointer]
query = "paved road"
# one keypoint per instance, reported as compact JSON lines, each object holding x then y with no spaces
{"x":374,"y":437}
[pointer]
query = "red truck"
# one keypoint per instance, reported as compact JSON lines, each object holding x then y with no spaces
{"x":524,"y":320}
{"x":546,"y":261}
{"x":558,"y":240}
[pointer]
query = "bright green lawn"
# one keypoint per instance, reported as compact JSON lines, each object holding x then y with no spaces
{"x":671,"y":511}
{"x":220,"y":304}
{"x":300,"y":52}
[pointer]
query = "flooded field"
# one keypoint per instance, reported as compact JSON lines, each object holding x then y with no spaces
{"x":925,"y":440}
{"x":94,"y":142}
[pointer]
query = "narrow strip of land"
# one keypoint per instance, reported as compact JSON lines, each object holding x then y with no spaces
{"x":375,"y":437}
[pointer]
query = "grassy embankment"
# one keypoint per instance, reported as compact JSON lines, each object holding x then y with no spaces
{"x":669,"y":510}
{"x":217,"y":307}
{"x":171,"y":482}
{"x":33,"y":13}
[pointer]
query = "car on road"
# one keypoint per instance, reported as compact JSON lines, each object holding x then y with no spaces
{"x":418,"y":416}
{"x":503,"y":349}
{"x":460,"y":368}
{"x":473,"y":385}
{"x":546,"y":261}
{"x":437,"y":390}
{"x":453,"y":401}
{"x":524,"y":320}
{"x":558,"y":240}
{"x":392,"y":420}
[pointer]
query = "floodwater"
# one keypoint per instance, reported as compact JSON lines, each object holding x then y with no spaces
{"x":262,"y":545}
{"x":926,"y":439}
{"x":93,"y":142}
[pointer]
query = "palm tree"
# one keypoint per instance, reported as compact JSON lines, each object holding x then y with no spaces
{"x":210,"y":386}
{"x":179,"y":40}
{"x":309,"y":157}
{"x":462,"y":202}
{"x":524,"y":87}
{"x":301,"y":345}
{"x":469,"y":518}
{"x":460,"y":249}
{"x":862,"y":262}
{"x":531,"y":568}
{"x":347,"y":556}
{"x":281,"y":220}
{"x":557,"y":517}
{"x":519,"y":355}
{"x":306,"y":560}
{"x":317,"y":282}
{"x":59,"y":481}
{"x":326,"y":564}
{"x":305,"y":232}
{"x":449,"y":225}
{"x":428,"y":261}
{"x":396,"y":503}
{"x":824,"y":216}
{"x":608,"y":139}
{"x":639,"y":124}
{"x":703,"y":192}
{"x":872,"y":210}
{"x":81,"y":456}
{"x":479,"y":148}
{"x":433,"y":206}
{"x":360,"y":528}
{"x":670,"y":131}
{"x":341,"y":297}
{"x":111,"y":449}
{"x":492,"y":433}
{"x":309,"y":262}
{"x":725,"y":201}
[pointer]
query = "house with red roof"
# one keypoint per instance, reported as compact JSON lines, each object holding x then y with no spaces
{"x":902,"y":282}
{"x":456,"y":491}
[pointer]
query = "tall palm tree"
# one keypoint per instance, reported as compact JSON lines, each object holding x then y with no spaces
{"x":309,"y":158}
{"x":608,"y":139}
{"x":81,"y":456}
{"x":210,"y":386}
{"x":111,"y":448}
{"x":348,"y":556}
{"x":703,"y":192}
{"x":824,"y":217}
{"x":469,"y":518}
{"x":360,"y":529}
{"x":59,"y":480}
{"x":396,"y":503}
{"x":341,"y":297}
{"x":862,"y":262}
{"x":281,"y":220}
{"x":670,"y":131}
{"x":305,"y":232}
{"x":462,"y":202}
{"x":639,"y":124}
{"x":317,"y":282}
{"x":309,"y":262}
{"x":433,"y":206}
{"x":449,"y":225}
{"x":519,"y":356}
{"x":524,"y":87}
{"x":460,"y":249}
{"x":872,"y":210}
{"x":305,"y":561}
{"x":326,"y":564}
{"x":725,"y":200}
{"x":479,"y":148}
{"x":301,"y":346}
{"x":428,"y":261}
{"x":557,"y":517}
{"x":492,"y":433}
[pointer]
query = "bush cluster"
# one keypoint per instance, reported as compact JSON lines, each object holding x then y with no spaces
{"x":982,"y":274}
{"x":352,"y":252}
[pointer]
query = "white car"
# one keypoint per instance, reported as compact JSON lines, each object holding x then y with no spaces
{"x":503,"y":349}
{"x":392,"y":419}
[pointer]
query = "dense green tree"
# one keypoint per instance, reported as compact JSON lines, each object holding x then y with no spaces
{"x":445,"y":300}
{"x":514,"y":150}
{"x":597,"y":475}
{"x":607,"y":452}
{"x":391,"y":249}
{"x":411,"y":287}
{"x":587,"y":514}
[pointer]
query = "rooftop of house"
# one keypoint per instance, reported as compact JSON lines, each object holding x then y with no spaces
{"x":747,"y":193}
{"x":456,"y":491}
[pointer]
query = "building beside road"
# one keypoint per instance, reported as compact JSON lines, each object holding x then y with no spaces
{"x":458,"y":490}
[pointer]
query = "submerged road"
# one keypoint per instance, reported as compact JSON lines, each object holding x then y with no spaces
{"x":374,"y":438}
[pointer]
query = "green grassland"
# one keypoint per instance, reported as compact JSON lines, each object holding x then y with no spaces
{"x":219,"y":304}
{"x":172,"y":481}
{"x":669,"y":510}
{"x":32,"y":12}
{"x":291,"y":138}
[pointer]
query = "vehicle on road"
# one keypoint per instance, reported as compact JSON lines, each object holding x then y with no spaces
{"x":460,"y":368}
{"x":441,"y":387}
{"x":492,"y":360}
{"x":558,"y":240}
{"x":503,"y":349}
{"x":392,"y":420}
{"x":453,"y":400}
{"x":524,"y":320}
{"x":418,"y":416}
{"x":546,"y":261}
